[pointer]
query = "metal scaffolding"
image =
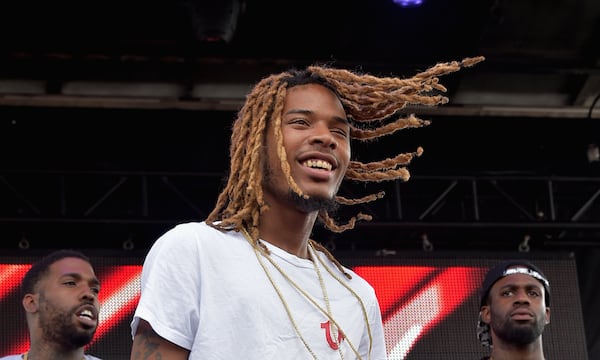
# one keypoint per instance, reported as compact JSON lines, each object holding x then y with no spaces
{"x":131,"y":209}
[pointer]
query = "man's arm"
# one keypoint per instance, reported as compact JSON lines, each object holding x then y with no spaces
{"x":148,"y":345}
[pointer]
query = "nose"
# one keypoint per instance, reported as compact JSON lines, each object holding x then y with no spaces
{"x":89,"y":294}
{"x":522,"y":297}
{"x":322,"y":135}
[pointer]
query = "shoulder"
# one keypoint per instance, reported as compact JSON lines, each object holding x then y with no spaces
{"x":189,"y":235}
{"x":189,"y":242}
{"x":360,"y":281}
{"x":193,"y":227}
{"x":357,"y":282}
{"x":196,"y":230}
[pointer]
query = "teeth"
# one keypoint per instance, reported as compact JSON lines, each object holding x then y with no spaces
{"x":87,"y":313}
{"x":317,"y":164}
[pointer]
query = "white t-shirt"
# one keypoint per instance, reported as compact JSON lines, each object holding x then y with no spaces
{"x":206,"y":291}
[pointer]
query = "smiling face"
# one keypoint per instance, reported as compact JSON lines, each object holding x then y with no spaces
{"x":66,"y":303}
{"x":516,"y":309}
{"x":316,"y":139}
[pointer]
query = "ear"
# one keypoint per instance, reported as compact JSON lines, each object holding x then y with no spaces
{"x":30,"y":303}
{"x":547,"y":315}
{"x":485,"y":314}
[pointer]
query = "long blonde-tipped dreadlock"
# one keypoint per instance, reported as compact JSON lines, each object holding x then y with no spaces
{"x":368,"y":101}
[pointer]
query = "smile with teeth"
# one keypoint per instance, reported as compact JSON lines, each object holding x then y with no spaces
{"x":317,"y":164}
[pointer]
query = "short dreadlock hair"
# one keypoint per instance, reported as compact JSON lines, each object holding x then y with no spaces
{"x":369,"y":102}
{"x":41,"y":268}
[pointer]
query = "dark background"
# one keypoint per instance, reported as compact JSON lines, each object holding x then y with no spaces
{"x":115,"y":117}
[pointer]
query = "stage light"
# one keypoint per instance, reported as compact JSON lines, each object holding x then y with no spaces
{"x":409,"y":3}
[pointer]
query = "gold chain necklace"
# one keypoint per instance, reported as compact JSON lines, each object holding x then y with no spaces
{"x":260,"y":253}
{"x":334,"y":328}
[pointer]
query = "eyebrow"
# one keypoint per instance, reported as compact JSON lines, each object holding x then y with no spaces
{"x":78,"y":276}
{"x":339,"y":119}
{"x":528,"y":286}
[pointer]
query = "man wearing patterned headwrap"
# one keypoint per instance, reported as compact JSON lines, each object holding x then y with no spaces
{"x":515,"y":309}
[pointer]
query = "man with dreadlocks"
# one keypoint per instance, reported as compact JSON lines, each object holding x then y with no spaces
{"x":249,"y":282}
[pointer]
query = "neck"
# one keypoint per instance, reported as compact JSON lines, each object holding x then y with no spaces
{"x":503,"y":350}
{"x":288,"y":229}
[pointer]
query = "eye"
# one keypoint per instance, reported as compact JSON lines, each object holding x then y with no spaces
{"x":340,"y":131}
{"x":298,"y":121}
{"x":70,"y":283}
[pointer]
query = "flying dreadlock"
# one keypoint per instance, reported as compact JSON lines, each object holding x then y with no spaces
{"x":368,"y":101}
